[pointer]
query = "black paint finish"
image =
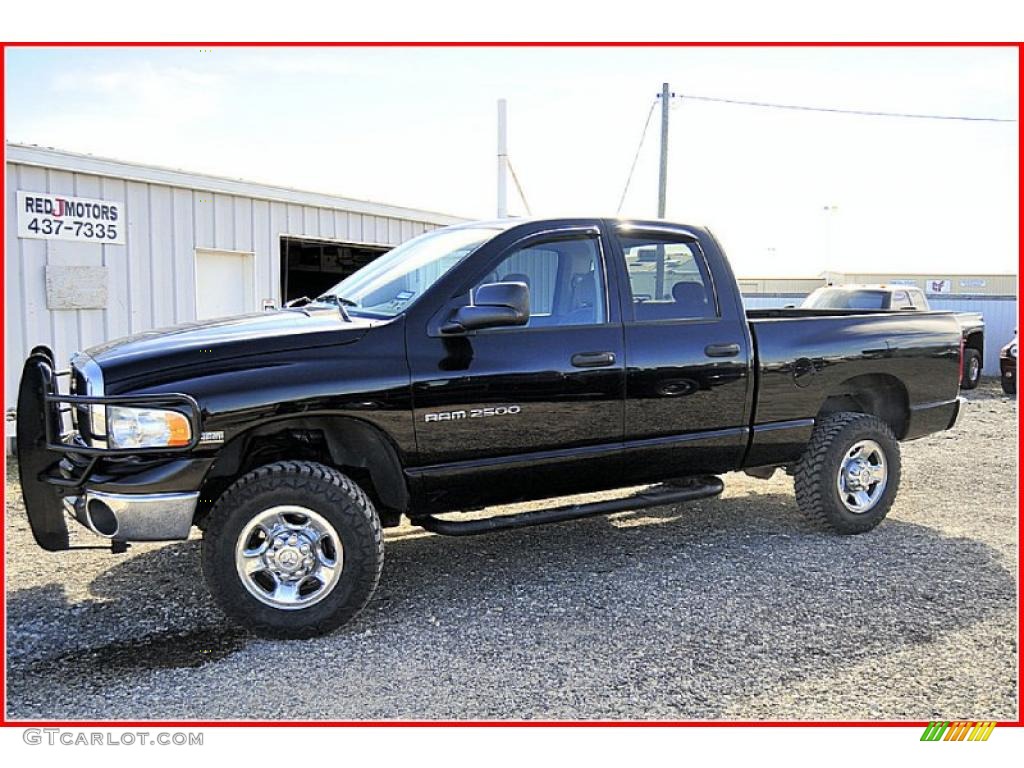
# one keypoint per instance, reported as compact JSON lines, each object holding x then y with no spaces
{"x":688,"y":396}
{"x":506,"y":414}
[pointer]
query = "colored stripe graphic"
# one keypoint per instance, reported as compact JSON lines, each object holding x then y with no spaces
{"x":982,"y":731}
{"x":958,"y":730}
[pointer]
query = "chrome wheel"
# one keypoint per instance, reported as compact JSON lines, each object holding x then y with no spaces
{"x":974,"y":372}
{"x":289,"y":557}
{"x":863,"y":475}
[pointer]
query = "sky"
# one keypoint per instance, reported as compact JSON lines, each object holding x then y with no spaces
{"x":786,"y":192}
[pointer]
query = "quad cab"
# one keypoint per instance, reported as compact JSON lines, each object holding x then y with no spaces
{"x":475,"y":365}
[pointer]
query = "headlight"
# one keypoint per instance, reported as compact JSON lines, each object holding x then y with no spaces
{"x":1013,"y":350}
{"x":146,"y":428}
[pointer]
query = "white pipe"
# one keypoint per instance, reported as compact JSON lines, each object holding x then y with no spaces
{"x":502,"y":159}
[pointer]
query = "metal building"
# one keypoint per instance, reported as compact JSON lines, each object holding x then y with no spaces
{"x":994,"y":296}
{"x":97,"y":249}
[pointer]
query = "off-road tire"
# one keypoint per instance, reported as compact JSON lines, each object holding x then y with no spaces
{"x":816,"y":474}
{"x":323,"y":490}
{"x":1009,"y":386}
{"x":972,"y":357}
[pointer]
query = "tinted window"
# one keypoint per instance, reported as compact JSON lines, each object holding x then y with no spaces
{"x":668,"y":279}
{"x":565,"y":281}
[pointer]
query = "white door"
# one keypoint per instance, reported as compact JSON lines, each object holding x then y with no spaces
{"x":225,"y":284}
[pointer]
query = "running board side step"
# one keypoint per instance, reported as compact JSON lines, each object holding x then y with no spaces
{"x":673,"y":492}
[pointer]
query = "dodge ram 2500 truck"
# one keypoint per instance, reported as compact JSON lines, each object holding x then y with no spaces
{"x":473,"y":366}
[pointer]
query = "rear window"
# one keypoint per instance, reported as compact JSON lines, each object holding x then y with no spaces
{"x":836,"y":298}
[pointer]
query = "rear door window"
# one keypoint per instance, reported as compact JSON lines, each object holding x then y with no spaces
{"x":668,"y":279}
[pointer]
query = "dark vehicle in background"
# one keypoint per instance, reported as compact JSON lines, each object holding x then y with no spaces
{"x":476,"y":365}
{"x":906,"y":298}
{"x":1008,"y":366}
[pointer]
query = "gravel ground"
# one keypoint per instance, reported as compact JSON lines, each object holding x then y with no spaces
{"x":725,"y":608}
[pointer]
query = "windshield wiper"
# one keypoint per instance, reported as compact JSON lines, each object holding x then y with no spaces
{"x":335,"y":299}
{"x":303,"y":301}
{"x":339,"y":302}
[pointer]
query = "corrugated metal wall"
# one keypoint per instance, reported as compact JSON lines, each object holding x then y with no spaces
{"x":1000,"y":315}
{"x":152,"y":276}
{"x":1000,"y":321}
{"x":779,"y":285}
{"x":978,"y":284}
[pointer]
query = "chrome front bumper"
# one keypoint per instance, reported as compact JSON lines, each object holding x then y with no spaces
{"x":134,"y":517}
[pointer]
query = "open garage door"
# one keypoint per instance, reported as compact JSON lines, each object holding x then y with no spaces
{"x":311,"y":267}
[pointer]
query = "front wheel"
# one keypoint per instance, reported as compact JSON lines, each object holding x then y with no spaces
{"x":292,"y":549}
{"x":847,"y":478}
{"x":972,"y":369}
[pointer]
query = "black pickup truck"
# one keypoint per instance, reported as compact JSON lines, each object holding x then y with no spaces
{"x":475,"y":365}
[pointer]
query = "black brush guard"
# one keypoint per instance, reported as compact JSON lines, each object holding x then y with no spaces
{"x":42,"y":443}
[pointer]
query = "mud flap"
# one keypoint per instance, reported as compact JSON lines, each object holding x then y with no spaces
{"x":43,"y":502}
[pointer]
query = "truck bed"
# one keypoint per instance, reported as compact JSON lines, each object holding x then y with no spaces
{"x":804,"y":357}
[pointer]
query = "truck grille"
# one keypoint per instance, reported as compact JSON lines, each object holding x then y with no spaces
{"x":80,"y":414}
{"x":87,"y":379}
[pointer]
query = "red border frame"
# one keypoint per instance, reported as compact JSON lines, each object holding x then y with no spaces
{"x":5,"y":722}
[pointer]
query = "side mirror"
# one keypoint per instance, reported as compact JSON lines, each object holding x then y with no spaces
{"x":497,"y":305}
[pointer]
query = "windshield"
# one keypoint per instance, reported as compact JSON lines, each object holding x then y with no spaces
{"x":838,"y":298}
{"x":388,"y":285}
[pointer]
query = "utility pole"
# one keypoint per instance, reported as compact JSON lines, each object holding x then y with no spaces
{"x":659,"y":266}
{"x":663,"y":171}
{"x":502,"y":159}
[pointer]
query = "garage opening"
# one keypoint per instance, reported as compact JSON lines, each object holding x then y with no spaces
{"x":311,"y":267}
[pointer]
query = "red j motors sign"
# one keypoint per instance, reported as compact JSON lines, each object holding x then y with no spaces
{"x":59,"y":217}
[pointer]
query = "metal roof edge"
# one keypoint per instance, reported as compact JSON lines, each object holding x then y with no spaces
{"x":76,"y":162}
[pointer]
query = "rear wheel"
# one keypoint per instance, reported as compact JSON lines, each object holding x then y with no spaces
{"x":972,"y":369}
{"x":849,"y":474}
{"x":292,"y":549}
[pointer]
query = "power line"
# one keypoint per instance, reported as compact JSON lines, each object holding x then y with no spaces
{"x":797,"y":107}
{"x":636,"y":156}
{"x":863,"y":112}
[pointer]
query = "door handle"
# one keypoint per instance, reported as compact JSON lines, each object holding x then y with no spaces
{"x":722,"y":350}
{"x":593,"y":359}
